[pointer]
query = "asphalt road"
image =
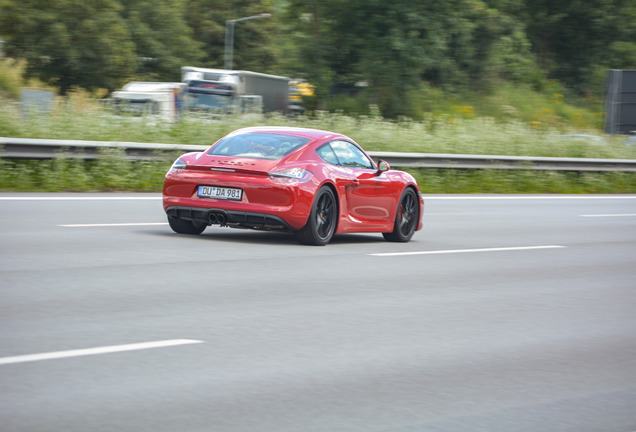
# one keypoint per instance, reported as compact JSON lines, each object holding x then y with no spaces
{"x":503,"y":314}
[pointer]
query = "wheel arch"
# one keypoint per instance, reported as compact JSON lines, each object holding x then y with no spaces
{"x":406,"y":187}
{"x":332,"y":186}
{"x":420,"y":202}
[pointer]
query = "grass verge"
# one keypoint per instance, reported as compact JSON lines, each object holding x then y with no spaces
{"x":114,"y":173}
{"x":435,"y":134}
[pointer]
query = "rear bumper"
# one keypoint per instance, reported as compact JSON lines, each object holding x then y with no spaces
{"x":231,"y":218}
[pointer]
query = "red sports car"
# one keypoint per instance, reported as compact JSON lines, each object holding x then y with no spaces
{"x":310,"y":182}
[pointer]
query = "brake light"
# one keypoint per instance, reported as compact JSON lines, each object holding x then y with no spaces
{"x":178,"y":166}
{"x":291,"y":175}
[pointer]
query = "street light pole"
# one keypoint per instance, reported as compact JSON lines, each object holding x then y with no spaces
{"x":229,"y":38}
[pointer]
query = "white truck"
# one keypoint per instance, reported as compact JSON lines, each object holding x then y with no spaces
{"x":161,"y":99}
{"x":222,"y":91}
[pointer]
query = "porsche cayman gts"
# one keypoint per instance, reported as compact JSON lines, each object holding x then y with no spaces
{"x":309,"y":182}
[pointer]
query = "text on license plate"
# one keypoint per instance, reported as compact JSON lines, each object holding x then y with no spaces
{"x":220,"y":193}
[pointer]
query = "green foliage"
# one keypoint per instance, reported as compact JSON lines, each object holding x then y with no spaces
{"x":471,"y":45}
{"x":522,"y":182}
{"x":114,"y":174}
{"x":573,"y":37}
{"x":163,"y":40}
{"x":346,"y":104}
{"x":110,"y":172}
{"x":69,"y":43}
{"x":253,"y":46}
{"x":395,"y":48}
{"x":531,"y":131}
{"x":9,"y":80}
{"x":550,"y":108}
{"x":622,"y":55}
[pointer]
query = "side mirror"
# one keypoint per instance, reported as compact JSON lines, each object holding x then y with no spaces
{"x":383,"y":166}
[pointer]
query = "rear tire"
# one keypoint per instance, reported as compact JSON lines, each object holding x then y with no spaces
{"x":322,"y":221}
{"x":406,"y":219}
{"x":182,"y":226}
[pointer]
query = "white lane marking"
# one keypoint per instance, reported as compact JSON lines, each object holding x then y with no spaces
{"x":455,"y":251}
{"x":95,"y":351}
{"x":610,"y":215}
{"x":113,"y":224}
{"x":82,"y":198}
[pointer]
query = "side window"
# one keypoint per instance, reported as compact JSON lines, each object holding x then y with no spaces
{"x":326,"y":153}
{"x":350,"y":156}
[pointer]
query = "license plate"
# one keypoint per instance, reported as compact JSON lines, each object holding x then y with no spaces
{"x":220,"y":193}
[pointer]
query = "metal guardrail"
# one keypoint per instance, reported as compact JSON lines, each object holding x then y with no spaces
{"x":29,"y":148}
{"x":446,"y":161}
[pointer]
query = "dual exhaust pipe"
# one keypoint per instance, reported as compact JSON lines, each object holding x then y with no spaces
{"x":218,"y":218}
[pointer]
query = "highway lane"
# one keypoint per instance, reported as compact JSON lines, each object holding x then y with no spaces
{"x":485,"y":332}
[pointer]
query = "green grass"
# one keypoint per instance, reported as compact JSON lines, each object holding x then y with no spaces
{"x":435,"y":134}
{"x":553,"y":108}
{"x":462,"y":132}
{"x":111,"y":172}
{"x":523,"y":182}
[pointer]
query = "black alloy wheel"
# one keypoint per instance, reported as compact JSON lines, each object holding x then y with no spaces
{"x":406,"y":219}
{"x":321,"y":225}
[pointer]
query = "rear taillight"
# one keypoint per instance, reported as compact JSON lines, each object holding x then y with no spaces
{"x":291,"y":175}
{"x":178,"y":166}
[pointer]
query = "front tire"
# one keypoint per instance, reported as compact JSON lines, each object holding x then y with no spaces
{"x":182,"y":226}
{"x":323,"y":219}
{"x":406,"y":219}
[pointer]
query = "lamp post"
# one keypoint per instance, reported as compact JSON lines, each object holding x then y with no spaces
{"x":229,"y":37}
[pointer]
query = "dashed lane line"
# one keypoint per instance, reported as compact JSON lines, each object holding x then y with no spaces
{"x":610,"y":215}
{"x":457,"y":251}
{"x":96,"y":351}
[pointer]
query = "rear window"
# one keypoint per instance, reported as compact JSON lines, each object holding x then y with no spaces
{"x":258,"y":145}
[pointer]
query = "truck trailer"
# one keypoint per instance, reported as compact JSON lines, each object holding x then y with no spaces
{"x":225,"y":91}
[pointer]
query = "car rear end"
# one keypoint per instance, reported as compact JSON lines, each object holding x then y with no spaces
{"x":237,"y":192}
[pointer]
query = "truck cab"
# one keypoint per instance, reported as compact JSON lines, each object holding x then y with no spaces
{"x":160,"y":99}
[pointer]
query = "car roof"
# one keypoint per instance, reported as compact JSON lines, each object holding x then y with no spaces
{"x":312,"y":134}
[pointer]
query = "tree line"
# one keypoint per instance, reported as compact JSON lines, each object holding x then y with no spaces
{"x":388,"y":50}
